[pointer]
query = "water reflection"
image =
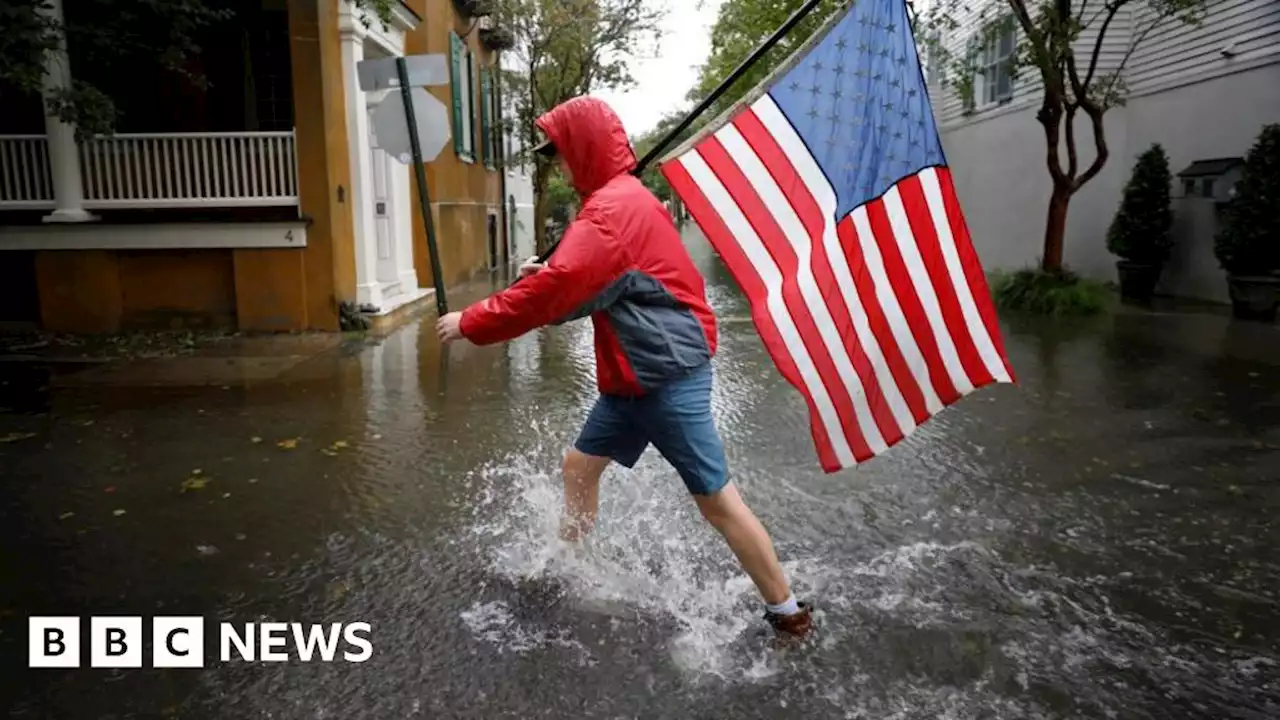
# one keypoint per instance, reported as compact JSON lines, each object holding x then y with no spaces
{"x":1095,"y":542}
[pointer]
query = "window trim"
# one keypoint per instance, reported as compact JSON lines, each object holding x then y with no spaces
{"x":990,"y":63}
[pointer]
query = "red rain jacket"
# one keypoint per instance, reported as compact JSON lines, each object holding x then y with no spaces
{"x":621,"y":261}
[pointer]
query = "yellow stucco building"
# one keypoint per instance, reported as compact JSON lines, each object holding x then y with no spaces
{"x":262,"y":202}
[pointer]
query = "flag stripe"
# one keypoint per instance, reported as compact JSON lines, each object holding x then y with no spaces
{"x":903,"y":381}
{"x":924,"y":294}
{"x":816,"y":287}
{"x":992,"y":366}
{"x":782,"y":151}
{"x":750,"y":281}
{"x":828,"y":198}
{"x":739,"y":233}
{"x":904,"y":289}
{"x":860,"y":221}
{"x":977,"y":279}
{"x":917,"y":212}
{"x":798,"y":290}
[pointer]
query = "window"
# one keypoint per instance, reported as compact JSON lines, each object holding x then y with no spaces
{"x":464,"y":98}
{"x":995,"y":61}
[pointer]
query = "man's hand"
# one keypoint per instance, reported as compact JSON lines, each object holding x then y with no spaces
{"x":449,"y":327}
{"x":530,"y":267}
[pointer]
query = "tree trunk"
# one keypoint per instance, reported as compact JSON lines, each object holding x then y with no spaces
{"x":1055,"y":229}
{"x":541,"y":174}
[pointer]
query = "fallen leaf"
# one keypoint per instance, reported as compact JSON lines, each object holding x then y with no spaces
{"x":253,"y":481}
{"x":289,"y":444}
{"x":377,"y":436}
{"x":16,"y":436}
{"x":86,"y":423}
{"x":118,"y":512}
{"x":109,"y":489}
{"x":255,"y":439}
{"x":197,"y":471}
{"x":226,"y":495}
{"x":66,"y":515}
{"x":194,"y":483}
{"x":339,"y":444}
{"x":241,"y":536}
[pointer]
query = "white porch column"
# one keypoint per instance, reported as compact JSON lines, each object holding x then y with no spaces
{"x":353,"y":32}
{"x":60,"y":137}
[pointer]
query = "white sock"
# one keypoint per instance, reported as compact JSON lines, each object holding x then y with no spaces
{"x":787,"y":607}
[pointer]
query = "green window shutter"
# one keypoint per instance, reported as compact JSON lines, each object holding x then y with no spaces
{"x":486,"y":122}
{"x":470,"y":109}
{"x":455,"y":78}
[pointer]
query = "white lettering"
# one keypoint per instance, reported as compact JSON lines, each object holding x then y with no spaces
{"x":269,"y":640}
{"x":360,"y":642}
{"x":243,"y":644}
{"x":328,"y":645}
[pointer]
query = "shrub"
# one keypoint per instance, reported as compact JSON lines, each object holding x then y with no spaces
{"x":1054,"y":293}
{"x":1140,"y":231}
{"x":1248,"y":242}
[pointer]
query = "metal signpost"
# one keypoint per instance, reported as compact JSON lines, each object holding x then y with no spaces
{"x":416,"y":133}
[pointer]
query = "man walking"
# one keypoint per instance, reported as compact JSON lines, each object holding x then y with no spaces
{"x":622,"y":263}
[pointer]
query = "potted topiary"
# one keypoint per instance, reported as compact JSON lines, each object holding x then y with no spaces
{"x":1248,"y":243}
{"x":1139,"y":235}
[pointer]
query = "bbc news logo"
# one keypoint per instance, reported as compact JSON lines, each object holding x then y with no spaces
{"x":178,"y":642}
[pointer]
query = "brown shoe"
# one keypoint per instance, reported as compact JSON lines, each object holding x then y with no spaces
{"x":796,"y":625}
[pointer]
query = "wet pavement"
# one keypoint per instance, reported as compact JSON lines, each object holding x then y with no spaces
{"x":1096,"y":542}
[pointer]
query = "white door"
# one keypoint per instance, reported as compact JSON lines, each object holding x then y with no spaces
{"x":381,"y":166}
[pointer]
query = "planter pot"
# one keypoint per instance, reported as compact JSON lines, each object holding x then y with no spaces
{"x":1254,"y":297}
{"x":1138,"y":280}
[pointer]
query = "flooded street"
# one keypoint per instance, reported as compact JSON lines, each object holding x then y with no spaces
{"x":1098,"y":541}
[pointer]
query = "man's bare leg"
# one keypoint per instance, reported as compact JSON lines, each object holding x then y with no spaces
{"x":581,"y":493}
{"x":748,"y":539}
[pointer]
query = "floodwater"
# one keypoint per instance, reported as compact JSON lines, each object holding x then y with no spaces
{"x":1099,"y":541}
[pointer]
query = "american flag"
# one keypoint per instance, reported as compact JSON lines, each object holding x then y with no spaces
{"x":827,"y":195}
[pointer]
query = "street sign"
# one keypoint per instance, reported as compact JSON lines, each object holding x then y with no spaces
{"x":423,"y":71}
{"x":413,"y":130}
{"x":392,"y":128}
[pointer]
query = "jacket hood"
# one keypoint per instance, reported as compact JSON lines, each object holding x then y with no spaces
{"x":590,"y":137}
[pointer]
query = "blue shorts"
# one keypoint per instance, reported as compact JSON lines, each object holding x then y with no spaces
{"x":676,"y":418}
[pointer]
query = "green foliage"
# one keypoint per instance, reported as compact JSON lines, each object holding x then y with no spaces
{"x":567,"y":48}
{"x":1054,"y":294}
{"x":740,"y":27}
{"x":563,"y":49}
{"x":101,"y":33}
{"x":1249,"y":241}
{"x":108,"y":33}
{"x":561,"y":197}
{"x":1140,"y":230}
{"x":652,"y":177}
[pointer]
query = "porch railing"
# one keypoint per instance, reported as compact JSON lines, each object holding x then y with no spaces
{"x":25,"y":183}
{"x":158,"y":170}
